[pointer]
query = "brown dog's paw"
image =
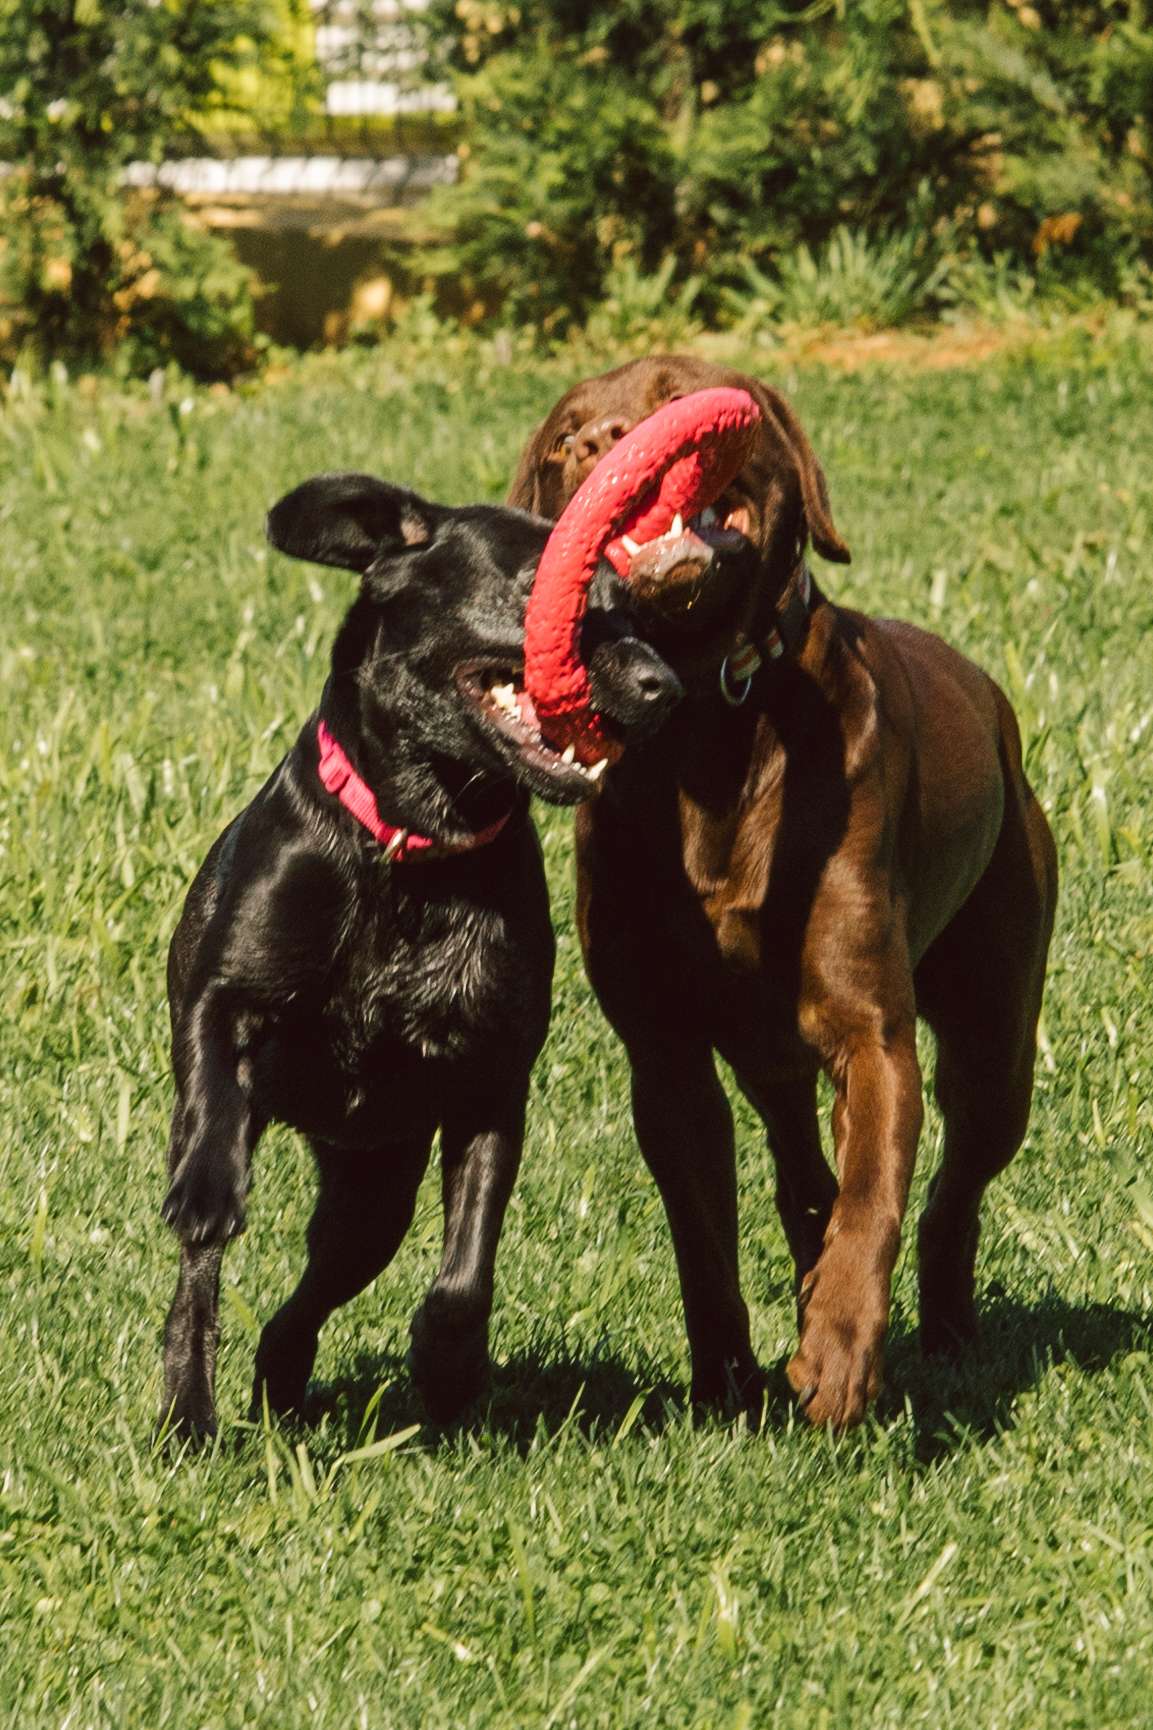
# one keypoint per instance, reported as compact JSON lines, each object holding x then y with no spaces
{"x":836,"y":1372}
{"x":448,"y":1359}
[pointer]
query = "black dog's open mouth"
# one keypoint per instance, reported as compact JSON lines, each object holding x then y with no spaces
{"x":496,"y":693}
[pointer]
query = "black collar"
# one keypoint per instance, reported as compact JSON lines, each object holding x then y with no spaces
{"x":785,"y":635}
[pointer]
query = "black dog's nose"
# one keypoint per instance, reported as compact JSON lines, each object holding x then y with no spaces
{"x":632,"y":685}
{"x":598,"y":436}
{"x":658,"y":685}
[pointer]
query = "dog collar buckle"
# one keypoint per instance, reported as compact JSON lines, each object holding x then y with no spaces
{"x":738,"y":671}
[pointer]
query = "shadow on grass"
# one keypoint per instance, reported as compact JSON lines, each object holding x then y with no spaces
{"x":953,"y":1404}
{"x":530,"y":1396}
{"x":544,"y":1394}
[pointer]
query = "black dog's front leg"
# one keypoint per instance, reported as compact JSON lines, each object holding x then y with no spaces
{"x":481,"y":1142}
{"x":214,"y":1131}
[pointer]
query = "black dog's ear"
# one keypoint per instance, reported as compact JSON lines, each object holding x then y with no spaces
{"x":348,"y":520}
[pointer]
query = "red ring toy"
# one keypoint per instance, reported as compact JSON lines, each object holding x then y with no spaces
{"x":688,"y":451}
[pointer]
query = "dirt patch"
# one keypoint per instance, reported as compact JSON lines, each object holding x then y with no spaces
{"x":937,"y":351}
{"x":943,"y":349}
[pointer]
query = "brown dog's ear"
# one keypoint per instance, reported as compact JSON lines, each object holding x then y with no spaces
{"x":524,"y":494}
{"x":814,"y":490}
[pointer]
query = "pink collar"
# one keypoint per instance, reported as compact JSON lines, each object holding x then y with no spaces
{"x":400,"y":845}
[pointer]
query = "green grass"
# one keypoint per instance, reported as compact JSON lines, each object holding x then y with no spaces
{"x":980,"y":1554}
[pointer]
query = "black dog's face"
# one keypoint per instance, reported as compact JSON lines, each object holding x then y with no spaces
{"x":436,"y":636}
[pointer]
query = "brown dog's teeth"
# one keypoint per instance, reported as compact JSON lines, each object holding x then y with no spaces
{"x":630,"y":546}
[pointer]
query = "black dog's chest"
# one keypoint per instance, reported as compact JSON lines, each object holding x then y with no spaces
{"x":417,"y":991}
{"x":429,"y":980}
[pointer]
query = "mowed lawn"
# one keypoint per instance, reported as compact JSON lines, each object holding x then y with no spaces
{"x":979,"y":1555}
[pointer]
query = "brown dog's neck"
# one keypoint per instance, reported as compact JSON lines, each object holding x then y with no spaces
{"x":785,"y":619}
{"x":777,"y":634}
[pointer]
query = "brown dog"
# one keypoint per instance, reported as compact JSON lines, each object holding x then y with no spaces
{"x":813,"y":853}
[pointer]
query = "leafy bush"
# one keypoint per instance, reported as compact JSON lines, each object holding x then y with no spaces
{"x":643,"y":310}
{"x":796,"y":139}
{"x":187,"y":299}
{"x":575,"y":173}
{"x":996,"y":290}
{"x":852,"y":281}
{"x":91,"y":86}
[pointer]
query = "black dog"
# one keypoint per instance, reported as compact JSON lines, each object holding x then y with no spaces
{"x":369,"y":981}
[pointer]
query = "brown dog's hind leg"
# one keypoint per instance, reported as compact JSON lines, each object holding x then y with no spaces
{"x":979,"y":987}
{"x":685,"y":1130}
{"x":984,"y":1097}
{"x":363,"y":1209}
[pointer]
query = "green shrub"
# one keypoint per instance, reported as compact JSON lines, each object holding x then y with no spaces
{"x":852,"y":281}
{"x":643,"y":310}
{"x":729,"y":133}
{"x":575,"y":174}
{"x":89,"y":87}
{"x":190,"y":301}
{"x":995,"y":290}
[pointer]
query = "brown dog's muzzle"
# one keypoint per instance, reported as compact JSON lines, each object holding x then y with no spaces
{"x":671,"y":571}
{"x":590,"y":443}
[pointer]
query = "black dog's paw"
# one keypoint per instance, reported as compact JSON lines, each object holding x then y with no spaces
{"x":948,"y":1333}
{"x":203,"y":1204}
{"x":282,"y":1389}
{"x":284,"y":1360}
{"x":450,"y":1368}
{"x":189,"y":1418}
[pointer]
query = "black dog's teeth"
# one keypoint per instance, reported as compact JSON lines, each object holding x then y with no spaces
{"x":504,"y":697}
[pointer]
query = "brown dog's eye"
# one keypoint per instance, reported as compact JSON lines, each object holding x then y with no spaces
{"x":564,"y":444}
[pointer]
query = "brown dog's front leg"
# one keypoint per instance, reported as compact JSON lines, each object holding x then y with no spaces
{"x":685,"y":1129}
{"x":480,"y":1154}
{"x":845,"y":1299}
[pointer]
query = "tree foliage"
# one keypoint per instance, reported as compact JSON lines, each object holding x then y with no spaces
{"x":88,"y":87}
{"x":724,"y":132}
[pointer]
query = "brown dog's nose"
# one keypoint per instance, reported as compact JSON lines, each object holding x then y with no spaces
{"x":598,"y":436}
